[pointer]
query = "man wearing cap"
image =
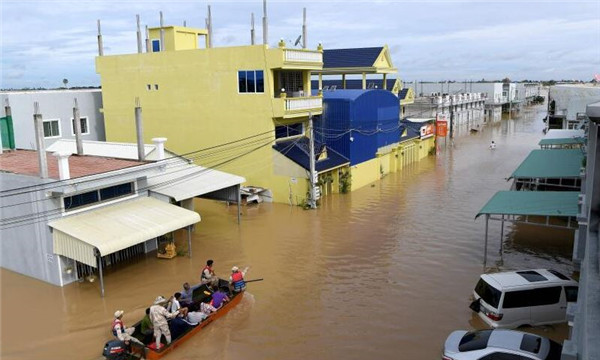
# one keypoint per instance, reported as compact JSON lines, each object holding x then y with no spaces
{"x":158,"y":316}
{"x":121,"y":332}
{"x":236,"y":279}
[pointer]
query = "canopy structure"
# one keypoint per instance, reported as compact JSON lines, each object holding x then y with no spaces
{"x":559,"y":139}
{"x":181,"y":182}
{"x":549,"y":170}
{"x":519,"y":206}
{"x":88,"y":236}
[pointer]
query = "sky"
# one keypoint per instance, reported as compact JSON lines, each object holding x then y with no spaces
{"x":43,"y":42}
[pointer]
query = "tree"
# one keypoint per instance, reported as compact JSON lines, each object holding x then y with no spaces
{"x":65,"y":82}
{"x":506,"y":80}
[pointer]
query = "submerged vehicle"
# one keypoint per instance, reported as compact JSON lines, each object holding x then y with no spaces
{"x":116,"y":349}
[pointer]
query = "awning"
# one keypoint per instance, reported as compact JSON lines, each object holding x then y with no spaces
{"x":563,"y":137}
{"x":532,"y":203}
{"x":116,"y":227}
{"x":189,"y":181}
{"x":550,"y":164}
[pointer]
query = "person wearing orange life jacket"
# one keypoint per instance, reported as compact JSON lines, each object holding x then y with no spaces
{"x":120,"y":331}
{"x":236,"y":280}
{"x":208,"y":274}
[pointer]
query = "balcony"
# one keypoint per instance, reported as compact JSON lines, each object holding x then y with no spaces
{"x":293,"y":107}
{"x":302,"y":59}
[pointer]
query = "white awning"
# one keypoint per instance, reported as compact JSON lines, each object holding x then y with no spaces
{"x":186,"y":182}
{"x":116,"y":227}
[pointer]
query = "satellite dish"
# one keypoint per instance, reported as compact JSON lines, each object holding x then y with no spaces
{"x":297,"y":40}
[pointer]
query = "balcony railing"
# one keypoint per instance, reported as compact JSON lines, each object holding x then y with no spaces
{"x":303,"y":103}
{"x":302,"y":56}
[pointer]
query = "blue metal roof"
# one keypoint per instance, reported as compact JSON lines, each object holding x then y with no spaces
{"x":297,"y":150}
{"x":349,"y":58}
{"x":354,"y":84}
{"x":345,"y":94}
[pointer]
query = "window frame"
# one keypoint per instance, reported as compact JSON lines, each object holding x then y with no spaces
{"x":59,"y":128}
{"x":100,"y":202}
{"x":255,"y":79}
{"x":155,"y":41}
{"x":87,"y":125}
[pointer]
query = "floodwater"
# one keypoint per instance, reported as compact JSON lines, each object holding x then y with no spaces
{"x":385,"y":272}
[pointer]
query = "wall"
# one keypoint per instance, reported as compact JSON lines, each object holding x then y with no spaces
{"x":54,"y":104}
{"x":573,"y":99}
{"x":494,"y":90}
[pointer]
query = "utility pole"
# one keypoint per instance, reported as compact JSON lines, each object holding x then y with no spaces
{"x":312,"y":201}
{"x":252,"y":40}
{"x":451,"y":115}
{"x":100,"y":46}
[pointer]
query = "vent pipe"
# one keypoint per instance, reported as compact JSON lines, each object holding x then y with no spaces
{"x":77,"y":127}
{"x":139,"y":129}
{"x":39,"y":138}
{"x":160,"y":147}
{"x":304,"y":28}
{"x":63,"y":165}
{"x":265,"y":24}
{"x":252,"y":40}
{"x":100,"y":47}
{"x":139,"y":34}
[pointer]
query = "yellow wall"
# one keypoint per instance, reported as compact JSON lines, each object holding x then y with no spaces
{"x":197,"y":105}
{"x":365,"y":173}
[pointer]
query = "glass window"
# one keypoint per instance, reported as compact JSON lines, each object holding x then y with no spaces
{"x":531,"y":343}
{"x":78,"y":200}
{"x":155,"y":45}
{"x":488,"y":293}
{"x":250,"y":81}
{"x":532,"y":276}
{"x":516,"y":299}
{"x":51,"y":128}
{"x":503,"y":356}
{"x":84,"y":125}
{"x":556,"y":273}
{"x":545,"y":296}
{"x":116,"y":191}
{"x":571,"y":292}
{"x":242,"y":82}
{"x":474,"y":340}
{"x":288,"y":130}
{"x":260,"y":81}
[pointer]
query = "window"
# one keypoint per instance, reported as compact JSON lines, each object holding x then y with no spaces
{"x":516,"y":299}
{"x":155,"y":45}
{"x":503,"y":356}
{"x":99,"y":195}
{"x":85,"y":130}
{"x":51,"y":128}
{"x":545,"y":296}
{"x":488,"y":293}
{"x":558,"y":275}
{"x":474,"y":340}
{"x":289,"y":130}
{"x":532,"y":276}
{"x":571,"y":292}
{"x":251,"y":81}
{"x":531,"y":343}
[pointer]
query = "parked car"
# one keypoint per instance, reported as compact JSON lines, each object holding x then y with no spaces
{"x":530,"y":297}
{"x":499,"y":344}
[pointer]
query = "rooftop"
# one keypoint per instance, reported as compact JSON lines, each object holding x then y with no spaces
{"x":551,"y":164}
{"x":25,"y":162}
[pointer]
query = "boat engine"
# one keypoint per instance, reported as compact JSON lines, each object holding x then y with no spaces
{"x":115,"y":350}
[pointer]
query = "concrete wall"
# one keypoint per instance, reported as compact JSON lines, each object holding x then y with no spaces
{"x":493,"y":90}
{"x":54,"y":104}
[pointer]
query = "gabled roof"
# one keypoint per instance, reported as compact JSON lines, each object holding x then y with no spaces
{"x":355,"y":57}
{"x":550,"y":164}
{"x":297,"y":150}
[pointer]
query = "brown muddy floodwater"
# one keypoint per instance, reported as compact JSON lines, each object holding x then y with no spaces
{"x":385,"y":272}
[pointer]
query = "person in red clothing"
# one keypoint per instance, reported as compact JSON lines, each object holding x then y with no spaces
{"x":208,"y":274}
{"x":236,"y":280}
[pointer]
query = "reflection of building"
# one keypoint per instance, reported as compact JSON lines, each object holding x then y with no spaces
{"x":56,"y":107}
{"x":584,"y":317}
{"x":201,"y":98}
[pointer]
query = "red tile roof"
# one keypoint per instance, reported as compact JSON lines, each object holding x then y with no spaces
{"x":25,"y":162}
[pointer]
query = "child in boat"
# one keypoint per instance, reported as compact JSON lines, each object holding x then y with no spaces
{"x":176,"y":306}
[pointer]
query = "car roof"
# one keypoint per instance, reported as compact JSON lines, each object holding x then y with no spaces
{"x":525,"y":277}
{"x":506,"y":339}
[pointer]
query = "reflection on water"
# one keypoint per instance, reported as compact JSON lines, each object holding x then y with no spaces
{"x":386,"y":269}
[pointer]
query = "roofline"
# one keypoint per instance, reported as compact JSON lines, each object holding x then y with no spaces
{"x":333,"y":168}
{"x":355,"y":70}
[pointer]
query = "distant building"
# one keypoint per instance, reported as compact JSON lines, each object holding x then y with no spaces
{"x":56,"y":107}
{"x":567,"y":104}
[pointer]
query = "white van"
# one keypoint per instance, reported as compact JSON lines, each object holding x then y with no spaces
{"x":530,"y":297}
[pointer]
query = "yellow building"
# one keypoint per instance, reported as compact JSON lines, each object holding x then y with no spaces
{"x":201,"y":98}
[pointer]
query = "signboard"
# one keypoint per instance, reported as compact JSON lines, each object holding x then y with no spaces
{"x":442,"y":128}
{"x":427,"y":131}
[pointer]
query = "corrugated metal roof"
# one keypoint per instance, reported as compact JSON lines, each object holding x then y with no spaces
{"x":116,"y":227}
{"x":541,"y":203}
{"x":297,"y":150}
{"x":346,"y":94}
{"x":185,"y":182}
{"x":106,"y":149}
{"x":550,"y":164}
{"x":348,"y":58}
{"x":563,"y":137}
{"x":355,"y":84}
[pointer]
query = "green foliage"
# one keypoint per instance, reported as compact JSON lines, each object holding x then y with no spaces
{"x":325,"y":179}
{"x":345,"y":181}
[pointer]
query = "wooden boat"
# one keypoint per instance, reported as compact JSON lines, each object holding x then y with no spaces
{"x":201,"y":293}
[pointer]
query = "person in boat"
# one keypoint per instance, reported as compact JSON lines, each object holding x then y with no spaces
{"x":120,"y":331}
{"x":207,"y":308}
{"x":176,"y":305}
{"x":236,"y":280}
{"x":147,"y":328}
{"x":159,"y":316}
{"x":208,"y":274}
{"x":186,"y":295}
{"x":218,"y":297}
{"x":492,"y":145}
{"x":196,"y":317}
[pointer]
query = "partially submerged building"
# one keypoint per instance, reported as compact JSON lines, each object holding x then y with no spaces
{"x":567,"y":105}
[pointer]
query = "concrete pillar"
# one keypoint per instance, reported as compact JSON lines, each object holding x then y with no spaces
{"x":63,"y":165}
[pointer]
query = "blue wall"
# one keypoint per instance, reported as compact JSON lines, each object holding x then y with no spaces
{"x":371,"y":114}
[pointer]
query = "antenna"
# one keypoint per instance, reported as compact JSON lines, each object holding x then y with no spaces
{"x":297,"y":40}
